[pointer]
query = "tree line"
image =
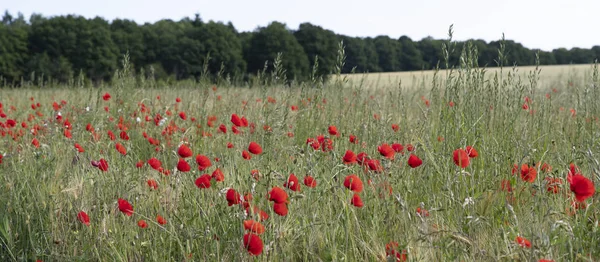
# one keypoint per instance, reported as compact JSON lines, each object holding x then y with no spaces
{"x":63,"y":47}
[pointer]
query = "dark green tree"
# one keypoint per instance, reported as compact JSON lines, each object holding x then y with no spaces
{"x":317,"y":41}
{"x":431,"y":51}
{"x":596,"y":53}
{"x":267,"y":42}
{"x":14,"y":53}
{"x":86,"y":44}
{"x":355,"y":54}
{"x":410,"y":55}
{"x":581,"y":55}
{"x":388,"y":53}
{"x":562,"y":56}
{"x":372,"y":55}
{"x":129,"y":38}
{"x":223,"y":45}
{"x":167,"y":46}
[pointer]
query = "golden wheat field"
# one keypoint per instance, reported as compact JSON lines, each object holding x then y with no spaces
{"x":549,"y":74}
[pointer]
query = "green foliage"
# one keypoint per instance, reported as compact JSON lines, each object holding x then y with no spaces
{"x":267,"y":42}
{"x":86,"y":43}
{"x":57,"y":48}
{"x":388,"y":51}
{"x":410,"y":55}
{"x":317,"y":41}
{"x":13,"y":48}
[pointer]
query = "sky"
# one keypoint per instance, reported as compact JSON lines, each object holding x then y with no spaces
{"x":545,"y":25}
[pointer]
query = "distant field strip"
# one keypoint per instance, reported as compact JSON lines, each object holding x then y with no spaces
{"x":548,"y":75}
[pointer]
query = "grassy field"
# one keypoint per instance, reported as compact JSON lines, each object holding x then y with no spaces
{"x":466,"y":169}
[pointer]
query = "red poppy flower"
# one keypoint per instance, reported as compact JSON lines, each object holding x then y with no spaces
{"x":203,"y":162}
{"x":103,"y":165}
{"x":255,"y":148}
{"x":253,"y":244}
{"x":121,"y":149}
{"x":278,"y":195}
{"x":246,"y":155}
{"x":229,"y":145}
{"x":292,"y":183}
{"x":353,"y":183}
{"x":235,"y":119}
{"x":68,"y":134}
{"x":310,"y":181}
{"x":410,"y":147}
{"x":353,"y":139}
{"x":182,"y":115}
{"x":218,"y":175}
{"x":106,"y":97}
{"x":11,"y":123}
{"x":183,"y":165}
{"x":395,"y":127}
{"x":83,"y":218}
{"x":528,"y":174}
{"x":223,"y":129}
{"x":79,"y":148}
{"x":375,"y":165}
{"x":233,"y":197}
{"x":581,"y":186}
{"x":125,"y":207}
{"x":203,"y":181}
{"x":110,"y":134}
{"x":386,"y":151}
{"x":142,"y":224}
{"x":461,"y":158}
{"x":326,"y":145}
{"x":356,"y":201}
{"x":523,"y":242}
{"x":184,"y":151}
{"x":471,"y":151}
{"x":161,"y":220}
{"x":414,"y":161}
{"x":154,"y":163}
{"x":315,"y":144}
{"x":254,"y":226}
{"x":362,"y":158}
{"x":391,"y":250}
{"x":333,"y":130}
{"x":152,"y":183}
{"x":398,"y":148}
{"x":123,"y":135}
{"x":349,"y":157}
{"x":280,"y":209}
{"x":35,"y":142}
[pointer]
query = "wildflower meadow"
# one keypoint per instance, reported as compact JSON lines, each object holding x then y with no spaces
{"x":463,"y":166}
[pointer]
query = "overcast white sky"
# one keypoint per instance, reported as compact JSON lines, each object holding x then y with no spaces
{"x":540,"y":24}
